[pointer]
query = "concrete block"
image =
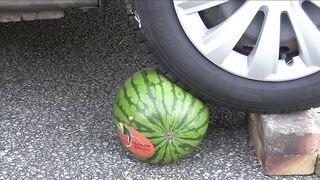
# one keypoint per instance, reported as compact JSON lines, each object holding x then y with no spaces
{"x":286,"y":144}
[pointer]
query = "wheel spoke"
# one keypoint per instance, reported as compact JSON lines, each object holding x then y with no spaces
{"x":222,"y":39}
{"x":194,"y":6}
{"x":264,"y":58}
{"x":308,"y":36}
{"x":316,"y":2}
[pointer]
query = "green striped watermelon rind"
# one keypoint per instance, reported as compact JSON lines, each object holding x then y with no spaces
{"x":154,"y":106}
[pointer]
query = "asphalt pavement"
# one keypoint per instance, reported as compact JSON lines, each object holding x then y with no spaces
{"x":58,"y":79}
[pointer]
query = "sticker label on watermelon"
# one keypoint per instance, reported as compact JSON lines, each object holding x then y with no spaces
{"x":135,"y":142}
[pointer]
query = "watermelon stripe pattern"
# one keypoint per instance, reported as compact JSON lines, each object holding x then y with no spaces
{"x":171,"y":118}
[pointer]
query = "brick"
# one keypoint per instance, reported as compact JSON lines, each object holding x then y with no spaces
{"x":289,"y":164}
{"x":286,"y":144}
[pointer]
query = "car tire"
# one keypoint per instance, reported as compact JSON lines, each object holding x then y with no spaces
{"x":157,"y":25}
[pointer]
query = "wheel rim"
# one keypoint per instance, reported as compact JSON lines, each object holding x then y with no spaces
{"x":260,"y":40}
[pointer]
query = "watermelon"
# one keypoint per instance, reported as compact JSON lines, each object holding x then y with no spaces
{"x":156,"y":120}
